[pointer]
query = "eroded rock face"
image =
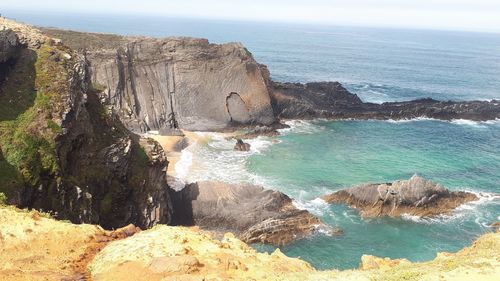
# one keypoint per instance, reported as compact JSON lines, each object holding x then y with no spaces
{"x":331,"y":100}
{"x":8,"y":45}
{"x":253,"y":213}
{"x":415,"y":196}
{"x":177,"y":82}
{"x":83,"y":163}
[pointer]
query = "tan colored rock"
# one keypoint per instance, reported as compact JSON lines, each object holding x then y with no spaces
{"x":416,"y":196}
{"x":34,"y":247}
{"x":369,"y":262}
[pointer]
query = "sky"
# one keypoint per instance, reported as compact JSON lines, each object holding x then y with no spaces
{"x":473,"y":15}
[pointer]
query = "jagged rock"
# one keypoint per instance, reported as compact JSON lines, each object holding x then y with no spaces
{"x":253,"y":213}
{"x":175,"y":82}
{"x":415,"y":196}
{"x":99,"y":172}
{"x":241,"y":146}
{"x":331,"y":100}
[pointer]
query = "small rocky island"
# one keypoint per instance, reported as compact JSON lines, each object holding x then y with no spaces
{"x":416,"y":196}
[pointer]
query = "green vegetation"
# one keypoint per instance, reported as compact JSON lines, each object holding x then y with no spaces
{"x":3,"y":199}
{"x":248,"y":52}
{"x":27,"y":121}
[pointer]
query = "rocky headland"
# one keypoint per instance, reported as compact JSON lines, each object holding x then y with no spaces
{"x":416,"y":196}
{"x":174,"y":83}
{"x":331,"y":100}
{"x":74,"y":108}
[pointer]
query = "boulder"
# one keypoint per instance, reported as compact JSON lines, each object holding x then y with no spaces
{"x":241,"y":146}
{"x":416,"y":196}
{"x":253,"y":213}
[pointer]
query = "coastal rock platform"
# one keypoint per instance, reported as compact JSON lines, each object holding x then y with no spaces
{"x":253,"y":213}
{"x":416,"y":196}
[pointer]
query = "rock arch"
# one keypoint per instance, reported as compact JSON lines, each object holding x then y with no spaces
{"x":237,"y":109}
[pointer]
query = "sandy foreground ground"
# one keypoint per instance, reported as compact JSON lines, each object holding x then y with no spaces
{"x":36,"y":247}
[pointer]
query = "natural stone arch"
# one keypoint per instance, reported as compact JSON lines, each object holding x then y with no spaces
{"x":237,"y":109}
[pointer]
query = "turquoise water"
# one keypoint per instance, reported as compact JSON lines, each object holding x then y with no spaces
{"x":315,"y":158}
{"x":321,"y":157}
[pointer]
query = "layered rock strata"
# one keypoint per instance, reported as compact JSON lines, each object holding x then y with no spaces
{"x":62,"y":151}
{"x":253,"y":213}
{"x":177,"y":82}
{"x":416,"y":196}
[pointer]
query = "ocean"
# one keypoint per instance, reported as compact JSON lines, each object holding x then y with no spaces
{"x":313,"y":158}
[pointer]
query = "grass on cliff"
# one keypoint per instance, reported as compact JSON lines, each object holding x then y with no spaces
{"x":30,"y":102}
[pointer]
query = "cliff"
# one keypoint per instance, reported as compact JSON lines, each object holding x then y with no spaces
{"x":61,"y":150}
{"x":35,"y":247}
{"x":177,"y":82}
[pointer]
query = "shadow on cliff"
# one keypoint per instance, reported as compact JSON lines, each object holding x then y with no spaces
{"x":182,"y":203}
{"x":17,"y":84}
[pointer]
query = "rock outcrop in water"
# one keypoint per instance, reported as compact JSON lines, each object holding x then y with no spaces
{"x":416,"y":196}
{"x":61,"y":150}
{"x":251,"y":212}
{"x":177,"y":82}
{"x":241,"y":146}
{"x":331,"y":100}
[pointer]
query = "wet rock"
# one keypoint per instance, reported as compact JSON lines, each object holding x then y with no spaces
{"x":253,"y":213}
{"x":241,"y":146}
{"x":415,"y":196}
{"x":332,"y":100}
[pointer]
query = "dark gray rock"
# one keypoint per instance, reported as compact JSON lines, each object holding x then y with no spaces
{"x":253,"y":213}
{"x":331,"y":100}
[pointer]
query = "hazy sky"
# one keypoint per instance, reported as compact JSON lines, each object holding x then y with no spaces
{"x":436,"y":14}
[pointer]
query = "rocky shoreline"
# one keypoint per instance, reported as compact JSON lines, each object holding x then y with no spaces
{"x":331,"y":100}
{"x":74,"y":106}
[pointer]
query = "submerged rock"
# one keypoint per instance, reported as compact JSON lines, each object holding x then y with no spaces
{"x":241,"y":146}
{"x":416,"y":196}
{"x":252,"y":212}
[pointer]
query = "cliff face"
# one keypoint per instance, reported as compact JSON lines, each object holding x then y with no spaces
{"x":162,"y":84}
{"x":62,"y":151}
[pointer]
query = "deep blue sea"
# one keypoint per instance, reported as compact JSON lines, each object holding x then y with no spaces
{"x":317,"y":157}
